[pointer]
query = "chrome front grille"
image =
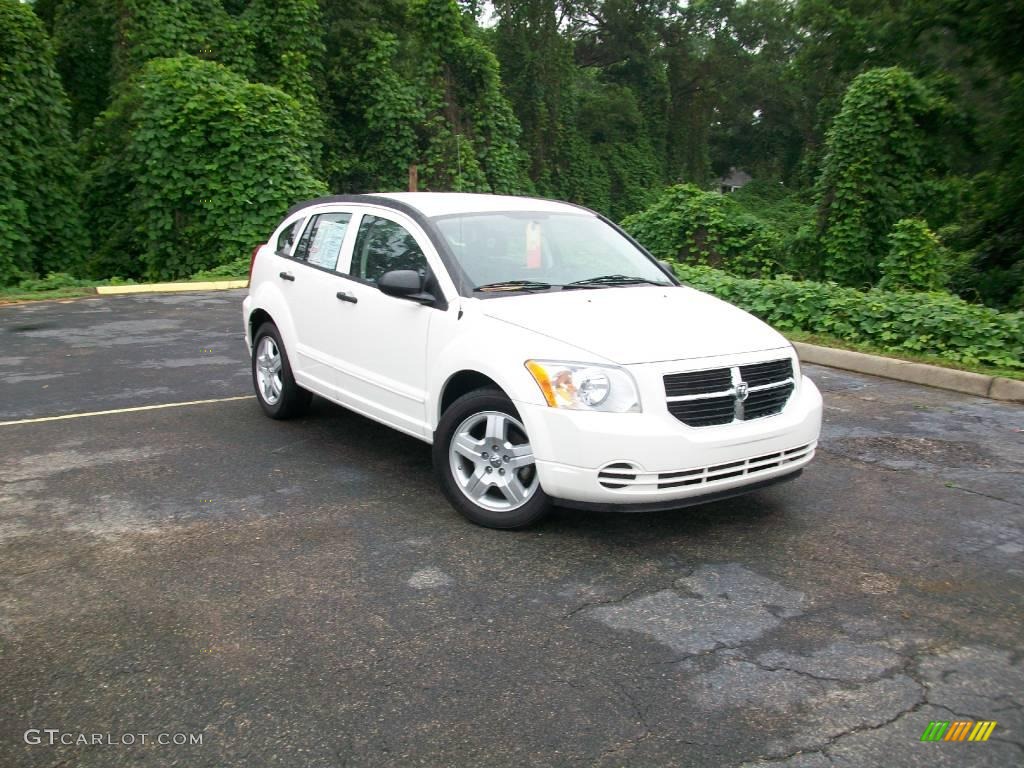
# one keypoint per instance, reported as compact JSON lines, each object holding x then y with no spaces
{"x":628,"y":478}
{"x":724,"y":395}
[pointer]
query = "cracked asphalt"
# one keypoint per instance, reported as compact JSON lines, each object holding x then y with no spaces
{"x":301,"y":595}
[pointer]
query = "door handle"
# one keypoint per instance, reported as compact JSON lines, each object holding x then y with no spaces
{"x":287,"y":276}
{"x":347,"y":297}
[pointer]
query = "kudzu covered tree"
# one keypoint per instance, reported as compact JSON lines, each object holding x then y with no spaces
{"x":40,"y":210}
{"x":873,"y":173}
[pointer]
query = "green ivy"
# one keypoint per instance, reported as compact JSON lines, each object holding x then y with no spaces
{"x":471,"y":130}
{"x":40,"y":212}
{"x":916,"y":260}
{"x":83,"y":36}
{"x":374,"y":112}
{"x":874,"y":171}
{"x":191,"y":167}
{"x":937,"y":324}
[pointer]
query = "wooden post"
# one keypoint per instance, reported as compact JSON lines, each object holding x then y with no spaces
{"x":414,"y":178}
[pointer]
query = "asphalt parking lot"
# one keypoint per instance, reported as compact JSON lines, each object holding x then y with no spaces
{"x":300,"y":594}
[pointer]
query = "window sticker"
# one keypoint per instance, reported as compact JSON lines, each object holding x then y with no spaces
{"x":326,"y":245}
{"x":533,"y":246}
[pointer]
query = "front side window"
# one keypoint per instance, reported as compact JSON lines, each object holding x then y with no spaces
{"x":552,"y":249}
{"x":383,"y":245}
{"x":320,"y":244}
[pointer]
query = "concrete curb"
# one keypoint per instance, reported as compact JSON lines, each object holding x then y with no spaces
{"x":994,"y":387}
{"x":216,"y":285}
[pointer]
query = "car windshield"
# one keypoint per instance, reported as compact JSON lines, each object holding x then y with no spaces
{"x":527,"y":252}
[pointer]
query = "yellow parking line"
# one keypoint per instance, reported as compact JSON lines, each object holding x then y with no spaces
{"x":124,"y":410}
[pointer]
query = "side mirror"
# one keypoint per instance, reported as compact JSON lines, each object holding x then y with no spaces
{"x":404,"y":284}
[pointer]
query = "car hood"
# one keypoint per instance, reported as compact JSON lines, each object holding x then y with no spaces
{"x":638,"y":324}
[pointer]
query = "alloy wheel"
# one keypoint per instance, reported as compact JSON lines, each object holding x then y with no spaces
{"x":492,"y":461}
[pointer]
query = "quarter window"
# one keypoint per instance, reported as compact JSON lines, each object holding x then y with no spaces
{"x":287,"y":238}
{"x":381,"y":246}
{"x":320,"y":244}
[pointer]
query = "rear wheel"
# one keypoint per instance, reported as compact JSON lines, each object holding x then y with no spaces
{"x":278,"y":394}
{"x":484,"y":462}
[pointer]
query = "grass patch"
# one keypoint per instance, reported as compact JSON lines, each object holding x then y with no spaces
{"x":13,"y":295}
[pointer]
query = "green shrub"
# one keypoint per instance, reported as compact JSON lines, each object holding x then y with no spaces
{"x":191,"y":167}
{"x":938,"y":324}
{"x":52,"y":282}
{"x":233,"y":270}
{"x":689,"y":225}
{"x":916,"y":260}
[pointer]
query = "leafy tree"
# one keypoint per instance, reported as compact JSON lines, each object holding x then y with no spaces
{"x":472,"y":130}
{"x":83,"y":37}
{"x":372,"y":108}
{"x":537,"y":71}
{"x":40,"y":213}
{"x":190,"y":168}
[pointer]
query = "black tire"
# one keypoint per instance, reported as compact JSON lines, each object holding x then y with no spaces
{"x":293,"y":400}
{"x":468,"y":408}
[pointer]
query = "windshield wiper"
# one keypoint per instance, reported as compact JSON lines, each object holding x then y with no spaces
{"x":514,"y":285}
{"x":609,"y":280}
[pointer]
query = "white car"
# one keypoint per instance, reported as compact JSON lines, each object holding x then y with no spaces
{"x":544,"y":353}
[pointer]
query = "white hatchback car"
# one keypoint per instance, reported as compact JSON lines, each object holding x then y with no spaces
{"x":544,"y":353}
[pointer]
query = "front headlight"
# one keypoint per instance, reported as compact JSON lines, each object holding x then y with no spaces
{"x":582,"y":387}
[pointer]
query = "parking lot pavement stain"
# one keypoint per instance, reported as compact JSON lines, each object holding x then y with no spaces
{"x":18,"y":378}
{"x":188,"y":362}
{"x":43,"y":465}
{"x":430,"y":578}
{"x":731,"y":605}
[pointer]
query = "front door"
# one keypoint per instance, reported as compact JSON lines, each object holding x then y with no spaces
{"x":382,"y":351}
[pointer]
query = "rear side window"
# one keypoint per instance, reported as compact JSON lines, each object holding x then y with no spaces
{"x":320,"y":244}
{"x":381,"y":246}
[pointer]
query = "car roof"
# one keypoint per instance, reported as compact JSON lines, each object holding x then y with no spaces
{"x":446,"y":203}
{"x":433,"y":204}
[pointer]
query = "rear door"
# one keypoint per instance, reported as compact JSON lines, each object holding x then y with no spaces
{"x":312,"y":283}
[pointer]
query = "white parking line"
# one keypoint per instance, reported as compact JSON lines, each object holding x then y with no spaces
{"x":124,"y":410}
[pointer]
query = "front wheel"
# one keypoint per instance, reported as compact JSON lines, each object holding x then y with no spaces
{"x":484,"y":462}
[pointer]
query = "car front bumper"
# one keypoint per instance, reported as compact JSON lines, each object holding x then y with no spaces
{"x":650,"y":460}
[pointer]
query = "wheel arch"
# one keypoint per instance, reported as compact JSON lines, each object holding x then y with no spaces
{"x":460,"y":383}
{"x":258,"y":317}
